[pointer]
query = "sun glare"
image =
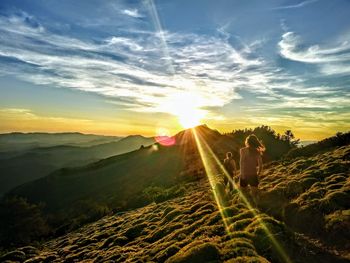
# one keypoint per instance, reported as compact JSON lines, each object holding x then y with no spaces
{"x":189,"y":120}
{"x":186,"y":107}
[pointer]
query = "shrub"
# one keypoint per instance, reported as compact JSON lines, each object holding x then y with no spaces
{"x":153,"y":193}
{"x":159,"y":194}
{"x":20,"y":222}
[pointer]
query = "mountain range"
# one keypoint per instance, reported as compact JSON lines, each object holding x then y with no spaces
{"x":121,"y":179}
{"x":18,"y":141}
{"x":65,"y":150}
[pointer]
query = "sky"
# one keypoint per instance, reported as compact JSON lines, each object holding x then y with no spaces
{"x":156,"y":67}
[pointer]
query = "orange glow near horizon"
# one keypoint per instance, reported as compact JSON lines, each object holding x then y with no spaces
{"x":24,"y":120}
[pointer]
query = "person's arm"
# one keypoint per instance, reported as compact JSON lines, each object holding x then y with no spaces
{"x":260,"y":165}
{"x":241,"y":160}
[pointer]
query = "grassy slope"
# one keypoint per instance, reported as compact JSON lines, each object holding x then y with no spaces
{"x":312,"y":194}
{"x":303,"y":204}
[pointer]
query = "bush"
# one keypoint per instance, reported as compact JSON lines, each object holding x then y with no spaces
{"x":20,"y":222}
{"x":154,"y":193}
{"x":82,"y":212}
{"x":159,"y":194}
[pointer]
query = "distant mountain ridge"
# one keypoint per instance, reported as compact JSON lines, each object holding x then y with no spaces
{"x":26,"y":165}
{"x":18,"y":141}
{"x":305,"y":143}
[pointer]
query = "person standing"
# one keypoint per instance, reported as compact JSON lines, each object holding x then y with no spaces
{"x":251,"y":165}
{"x":231,"y":169}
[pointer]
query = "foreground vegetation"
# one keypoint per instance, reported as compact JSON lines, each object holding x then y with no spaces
{"x":304,"y":208}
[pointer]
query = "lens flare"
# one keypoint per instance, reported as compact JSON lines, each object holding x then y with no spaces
{"x":163,"y":137}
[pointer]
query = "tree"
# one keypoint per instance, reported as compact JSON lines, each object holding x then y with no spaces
{"x":289,"y":135}
{"x":276,"y":145}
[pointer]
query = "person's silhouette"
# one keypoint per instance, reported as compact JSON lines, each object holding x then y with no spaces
{"x":230,"y":167}
{"x":250,"y":159}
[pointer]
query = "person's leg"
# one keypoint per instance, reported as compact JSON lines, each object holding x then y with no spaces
{"x":226,"y":181}
{"x":243,"y":186}
{"x":254,"y":183}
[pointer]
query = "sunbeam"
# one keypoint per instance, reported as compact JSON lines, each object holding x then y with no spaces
{"x":213,"y":168}
{"x":159,"y":30}
{"x":211,"y":173}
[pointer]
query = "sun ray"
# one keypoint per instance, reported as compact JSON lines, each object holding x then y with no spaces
{"x":159,"y":30}
{"x":209,"y":169}
{"x":210,"y":161}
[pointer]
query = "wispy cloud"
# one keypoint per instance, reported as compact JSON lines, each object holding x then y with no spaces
{"x":291,"y":48}
{"x":131,"y":68}
{"x":299,"y":5}
{"x":329,"y":58}
{"x":132,"y":12}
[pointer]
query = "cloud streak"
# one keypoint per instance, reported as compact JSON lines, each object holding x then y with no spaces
{"x":132,"y":12}
{"x":301,"y":4}
{"x":291,"y":48}
{"x":333,"y":59}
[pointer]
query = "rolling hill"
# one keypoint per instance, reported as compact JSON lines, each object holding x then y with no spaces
{"x":302,"y":216}
{"x":38,"y":162}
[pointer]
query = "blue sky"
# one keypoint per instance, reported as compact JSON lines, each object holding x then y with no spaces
{"x":123,"y":67}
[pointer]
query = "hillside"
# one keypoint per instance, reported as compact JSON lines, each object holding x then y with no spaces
{"x":121,"y":179}
{"x":118,"y":179}
{"x":35,"y":163}
{"x":303,"y":216}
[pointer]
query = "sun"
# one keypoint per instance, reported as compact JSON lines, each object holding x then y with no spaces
{"x":186,"y":107}
{"x":188,"y":122}
{"x":189,"y":118}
